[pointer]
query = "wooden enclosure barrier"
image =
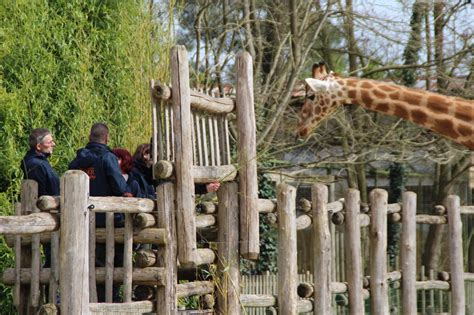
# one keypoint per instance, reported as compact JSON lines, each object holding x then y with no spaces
{"x":191,"y":141}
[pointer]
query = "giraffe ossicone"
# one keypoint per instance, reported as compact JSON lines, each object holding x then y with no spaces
{"x":452,"y":117}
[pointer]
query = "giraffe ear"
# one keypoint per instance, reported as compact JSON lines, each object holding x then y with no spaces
{"x":317,"y":85}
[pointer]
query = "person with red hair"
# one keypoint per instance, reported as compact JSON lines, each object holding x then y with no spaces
{"x":125,"y":161}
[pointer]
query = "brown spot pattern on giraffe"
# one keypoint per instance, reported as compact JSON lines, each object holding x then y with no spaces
{"x":465,"y":113}
{"x":446,"y":128}
{"x":402,"y":112}
{"x":366,"y":85}
{"x":466,"y":130}
{"x":379,"y":94}
{"x":412,"y":98}
{"x":419,"y":116}
{"x":388,"y":88}
{"x":438,"y":104}
{"x":382,"y":107}
{"x":366,"y":99}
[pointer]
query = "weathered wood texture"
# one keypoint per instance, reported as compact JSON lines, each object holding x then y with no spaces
{"x":353,"y":261}
{"x":378,"y":252}
{"x":247,"y":158}
{"x":109,"y":257}
{"x":458,"y":297}
{"x":28,"y":224}
{"x":148,"y":276}
{"x":144,"y":220}
{"x":186,"y":225}
{"x":167,"y":256}
{"x":103,"y":204}
{"x":322,"y":250}
{"x":287,"y":273}
{"x":194,"y":288}
{"x":127,"y":258}
{"x":199,"y":100}
{"x":146,"y":236}
{"x":18,"y":264}
{"x":408,"y":253}
{"x":201,"y":174}
{"x":74,"y":284}
{"x":228,"y":262}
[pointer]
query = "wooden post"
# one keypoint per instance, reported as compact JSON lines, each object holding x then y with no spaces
{"x":408,"y":253}
{"x":18,"y":264}
{"x":127,"y":258}
{"x":378,"y":252}
{"x":287,"y":266}
{"x":74,"y":245}
{"x":354,"y":253}
{"x":322,"y":250}
{"x":186,"y":226}
{"x":54,"y":277}
{"x":456,"y":255}
{"x":166,"y":256}
{"x":109,"y":257}
{"x":92,"y":246}
{"x":29,"y":195}
{"x":248,"y":197}
{"x":228,"y":299}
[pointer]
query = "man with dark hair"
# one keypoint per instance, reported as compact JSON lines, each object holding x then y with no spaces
{"x":105,"y":179}
{"x":35,"y":164}
{"x":101,"y":164}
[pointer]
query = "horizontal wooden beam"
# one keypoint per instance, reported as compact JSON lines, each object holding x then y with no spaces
{"x":28,"y":224}
{"x":267,"y":300}
{"x":141,"y":307}
{"x":201,"y":174}
{"x":146,"y":236}
{"x":200,"y":101}
{"x":194,"y":288}
{"x":149,"y":276}
{"x":103,"y":204}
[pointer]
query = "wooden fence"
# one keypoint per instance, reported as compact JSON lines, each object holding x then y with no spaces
{"x":191,"y":145}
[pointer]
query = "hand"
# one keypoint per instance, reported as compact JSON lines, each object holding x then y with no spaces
{"x":127,"y":194}
{"x":213,"y":187}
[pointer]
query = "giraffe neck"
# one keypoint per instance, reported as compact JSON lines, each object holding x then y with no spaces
{"x":452,"y":117}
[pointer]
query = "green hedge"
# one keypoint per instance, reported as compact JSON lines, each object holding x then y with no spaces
{"x":64,"y":65}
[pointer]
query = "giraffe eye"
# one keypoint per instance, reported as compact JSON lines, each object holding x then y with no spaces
{"x":311,"y":97}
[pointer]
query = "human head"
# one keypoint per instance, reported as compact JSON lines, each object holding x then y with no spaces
{"x":143,"y":153}
{"x":125,"y":159}
{"x":99,"y":133}
{"x":41,"y":140}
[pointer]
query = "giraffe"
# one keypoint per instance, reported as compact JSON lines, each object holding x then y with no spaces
{"x":452,"y":117}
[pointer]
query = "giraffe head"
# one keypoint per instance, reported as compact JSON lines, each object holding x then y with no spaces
{"x":324,"y":93}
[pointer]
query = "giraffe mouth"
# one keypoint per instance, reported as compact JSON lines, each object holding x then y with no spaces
{"x":303,"y":132}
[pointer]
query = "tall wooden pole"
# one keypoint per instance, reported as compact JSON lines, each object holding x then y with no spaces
{"x":186,"y":225}
{"x":408,"y":253}
{"x":378,"y":252}
{"x":458,"y":296}
{"x":247,"y":157}
{"x":166,"y":255}
{"x":228,"y":299}
{"x":287,"y":266}
{"x":74,"y":245}
{"x":354,"y":271}
{"x":322,"y":250}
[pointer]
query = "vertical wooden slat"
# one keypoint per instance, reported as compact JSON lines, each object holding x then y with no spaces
{"x":354,"y":254}
{"x":92,"y":246}
{"x":197,"y":122}
{"x":378,"y":252}
{"x":35,"y":257}
{"x":168,"y":131}
{"x":155,"y":124}
{"x":29,"y":195}
{"x":186,"y":223}
{"x":54,"y":276}
{"x":249,"y":216}
{"x":217,"y":140}
{"x":109,"y":256}
{"x":166,"y":255}
{"x":222,"y":140}
{"x":228,"y":296}
{"x":287,"y":258}
{"x":211,"y":141}
{"x":423,"y":295}
{"x":227,"y":139}
{"x":74,"y":284}
{"x":160,"y":136}
{"x":456,"y":259}
{"x":127,"y":258}
{"x":322,"y":250}
{"x":204,"y":141}
{"x":18,"y":264}
{"x":408,"y":253}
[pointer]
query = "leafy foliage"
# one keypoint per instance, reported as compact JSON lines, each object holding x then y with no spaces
{"x":65,"y":65}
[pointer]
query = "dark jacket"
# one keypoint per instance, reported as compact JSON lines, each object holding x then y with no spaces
{"x":134,"y":187}
{"x":105,"y":177}
{"x":147,"y":189}
{"x":35,"y":166}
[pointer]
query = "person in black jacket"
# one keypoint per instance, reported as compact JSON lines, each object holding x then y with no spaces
{"x":105,"y":179}
{"x":126,"y":165}
{"x":35,"y":166}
